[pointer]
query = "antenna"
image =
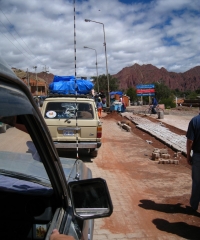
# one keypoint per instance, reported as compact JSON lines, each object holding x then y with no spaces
{"x":75,"y":38}
{"x":77,"y":155}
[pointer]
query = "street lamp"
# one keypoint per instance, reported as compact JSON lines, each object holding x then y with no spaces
{"x":88,"y":20}
{"x":96,"y":67}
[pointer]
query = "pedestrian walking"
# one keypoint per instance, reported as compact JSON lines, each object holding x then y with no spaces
{"x":96,"y":97}
{"x":99,"y":107}
{"x":103,"y":99}
{"x":193,"y":158}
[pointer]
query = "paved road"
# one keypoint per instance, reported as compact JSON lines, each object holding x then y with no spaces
{"x":14,"y":140}
{"x":150,"y":200}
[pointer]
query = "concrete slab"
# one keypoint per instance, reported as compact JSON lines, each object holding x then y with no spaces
{"x":180,"y":122}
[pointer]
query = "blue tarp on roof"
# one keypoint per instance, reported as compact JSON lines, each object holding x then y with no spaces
{"x":63,"y":78}
{"x":69,"y":85}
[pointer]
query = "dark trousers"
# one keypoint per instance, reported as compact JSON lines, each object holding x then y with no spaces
{"x":154,"y":109}
{"x":195,"y":195}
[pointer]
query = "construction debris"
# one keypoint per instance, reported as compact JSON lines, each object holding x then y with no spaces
{"x":124,"y":126}
{"x":163,"y":157}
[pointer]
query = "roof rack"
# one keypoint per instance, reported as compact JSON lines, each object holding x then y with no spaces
{"x":52,"y":95}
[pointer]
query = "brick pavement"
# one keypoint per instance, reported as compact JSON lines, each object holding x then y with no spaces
{"x":158,"y":130}
{"x":133,"y":180}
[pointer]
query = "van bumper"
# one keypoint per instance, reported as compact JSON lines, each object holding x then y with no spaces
{"x":82,"y":145}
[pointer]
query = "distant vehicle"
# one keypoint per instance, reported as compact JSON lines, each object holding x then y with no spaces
{"x":38,"y":190}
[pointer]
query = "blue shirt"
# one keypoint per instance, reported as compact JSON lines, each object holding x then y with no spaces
{"x":99,"y":105}
{"x":154,"y":102}
{"x":193,"y":133}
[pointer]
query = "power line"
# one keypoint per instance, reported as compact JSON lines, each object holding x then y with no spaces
{"x":15,"y":39}
{"x":30,"y":57}
{"x":14,"y":44}
{"x":16,"y":32}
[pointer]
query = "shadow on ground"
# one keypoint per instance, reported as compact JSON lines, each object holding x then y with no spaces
{"x":167,"y":208}
{"x":181,"y":229}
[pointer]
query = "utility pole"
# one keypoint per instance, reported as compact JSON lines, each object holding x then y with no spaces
{"x":45,"y":70}
{"x":36,"y":80}
{"x":28,"y":79}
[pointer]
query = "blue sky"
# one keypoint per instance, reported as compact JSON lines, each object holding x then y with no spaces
{"x":164,"y":33}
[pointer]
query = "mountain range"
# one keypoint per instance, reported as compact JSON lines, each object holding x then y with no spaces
{"x":147,"y":74}
{"x":144,"y":74}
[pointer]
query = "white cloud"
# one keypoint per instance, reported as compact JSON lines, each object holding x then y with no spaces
{"x":134,"y":33}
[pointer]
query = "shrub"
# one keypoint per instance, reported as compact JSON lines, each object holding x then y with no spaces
{"x":169,"y":103}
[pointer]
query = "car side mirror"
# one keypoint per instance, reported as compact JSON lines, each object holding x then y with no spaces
{"x":90,"y":198}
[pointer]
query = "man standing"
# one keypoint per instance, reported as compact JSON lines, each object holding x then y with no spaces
{"x":154,"y":105}
{"x":193,"y":145}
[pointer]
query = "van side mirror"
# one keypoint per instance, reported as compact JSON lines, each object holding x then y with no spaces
{"x":90,"y":198}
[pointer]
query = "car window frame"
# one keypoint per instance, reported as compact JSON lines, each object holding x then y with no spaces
{"x":41,"y":137}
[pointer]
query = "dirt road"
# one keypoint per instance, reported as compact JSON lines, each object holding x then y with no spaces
{"x":150,"y":200}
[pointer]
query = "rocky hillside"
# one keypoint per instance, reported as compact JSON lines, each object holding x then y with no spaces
{"x":145,"y":74}
{"x":42,"y":76}
{"x":48,"y":77}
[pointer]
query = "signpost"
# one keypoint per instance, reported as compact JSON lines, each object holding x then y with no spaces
{"x":145,"y":90}
{"x":146,"y":86}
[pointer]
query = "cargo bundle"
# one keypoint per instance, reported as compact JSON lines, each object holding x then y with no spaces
{"x":70,"y":85}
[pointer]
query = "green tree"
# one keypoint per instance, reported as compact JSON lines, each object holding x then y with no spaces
{"x":186,"y":93}
{"x":176,"y":92}
{"x":131,"y":92}
{"x":192,"y":95}
{"x":162,"y":91}
{"x":169,"y":102}
{"x":103,"y":83}
{"x":197,"y":91}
